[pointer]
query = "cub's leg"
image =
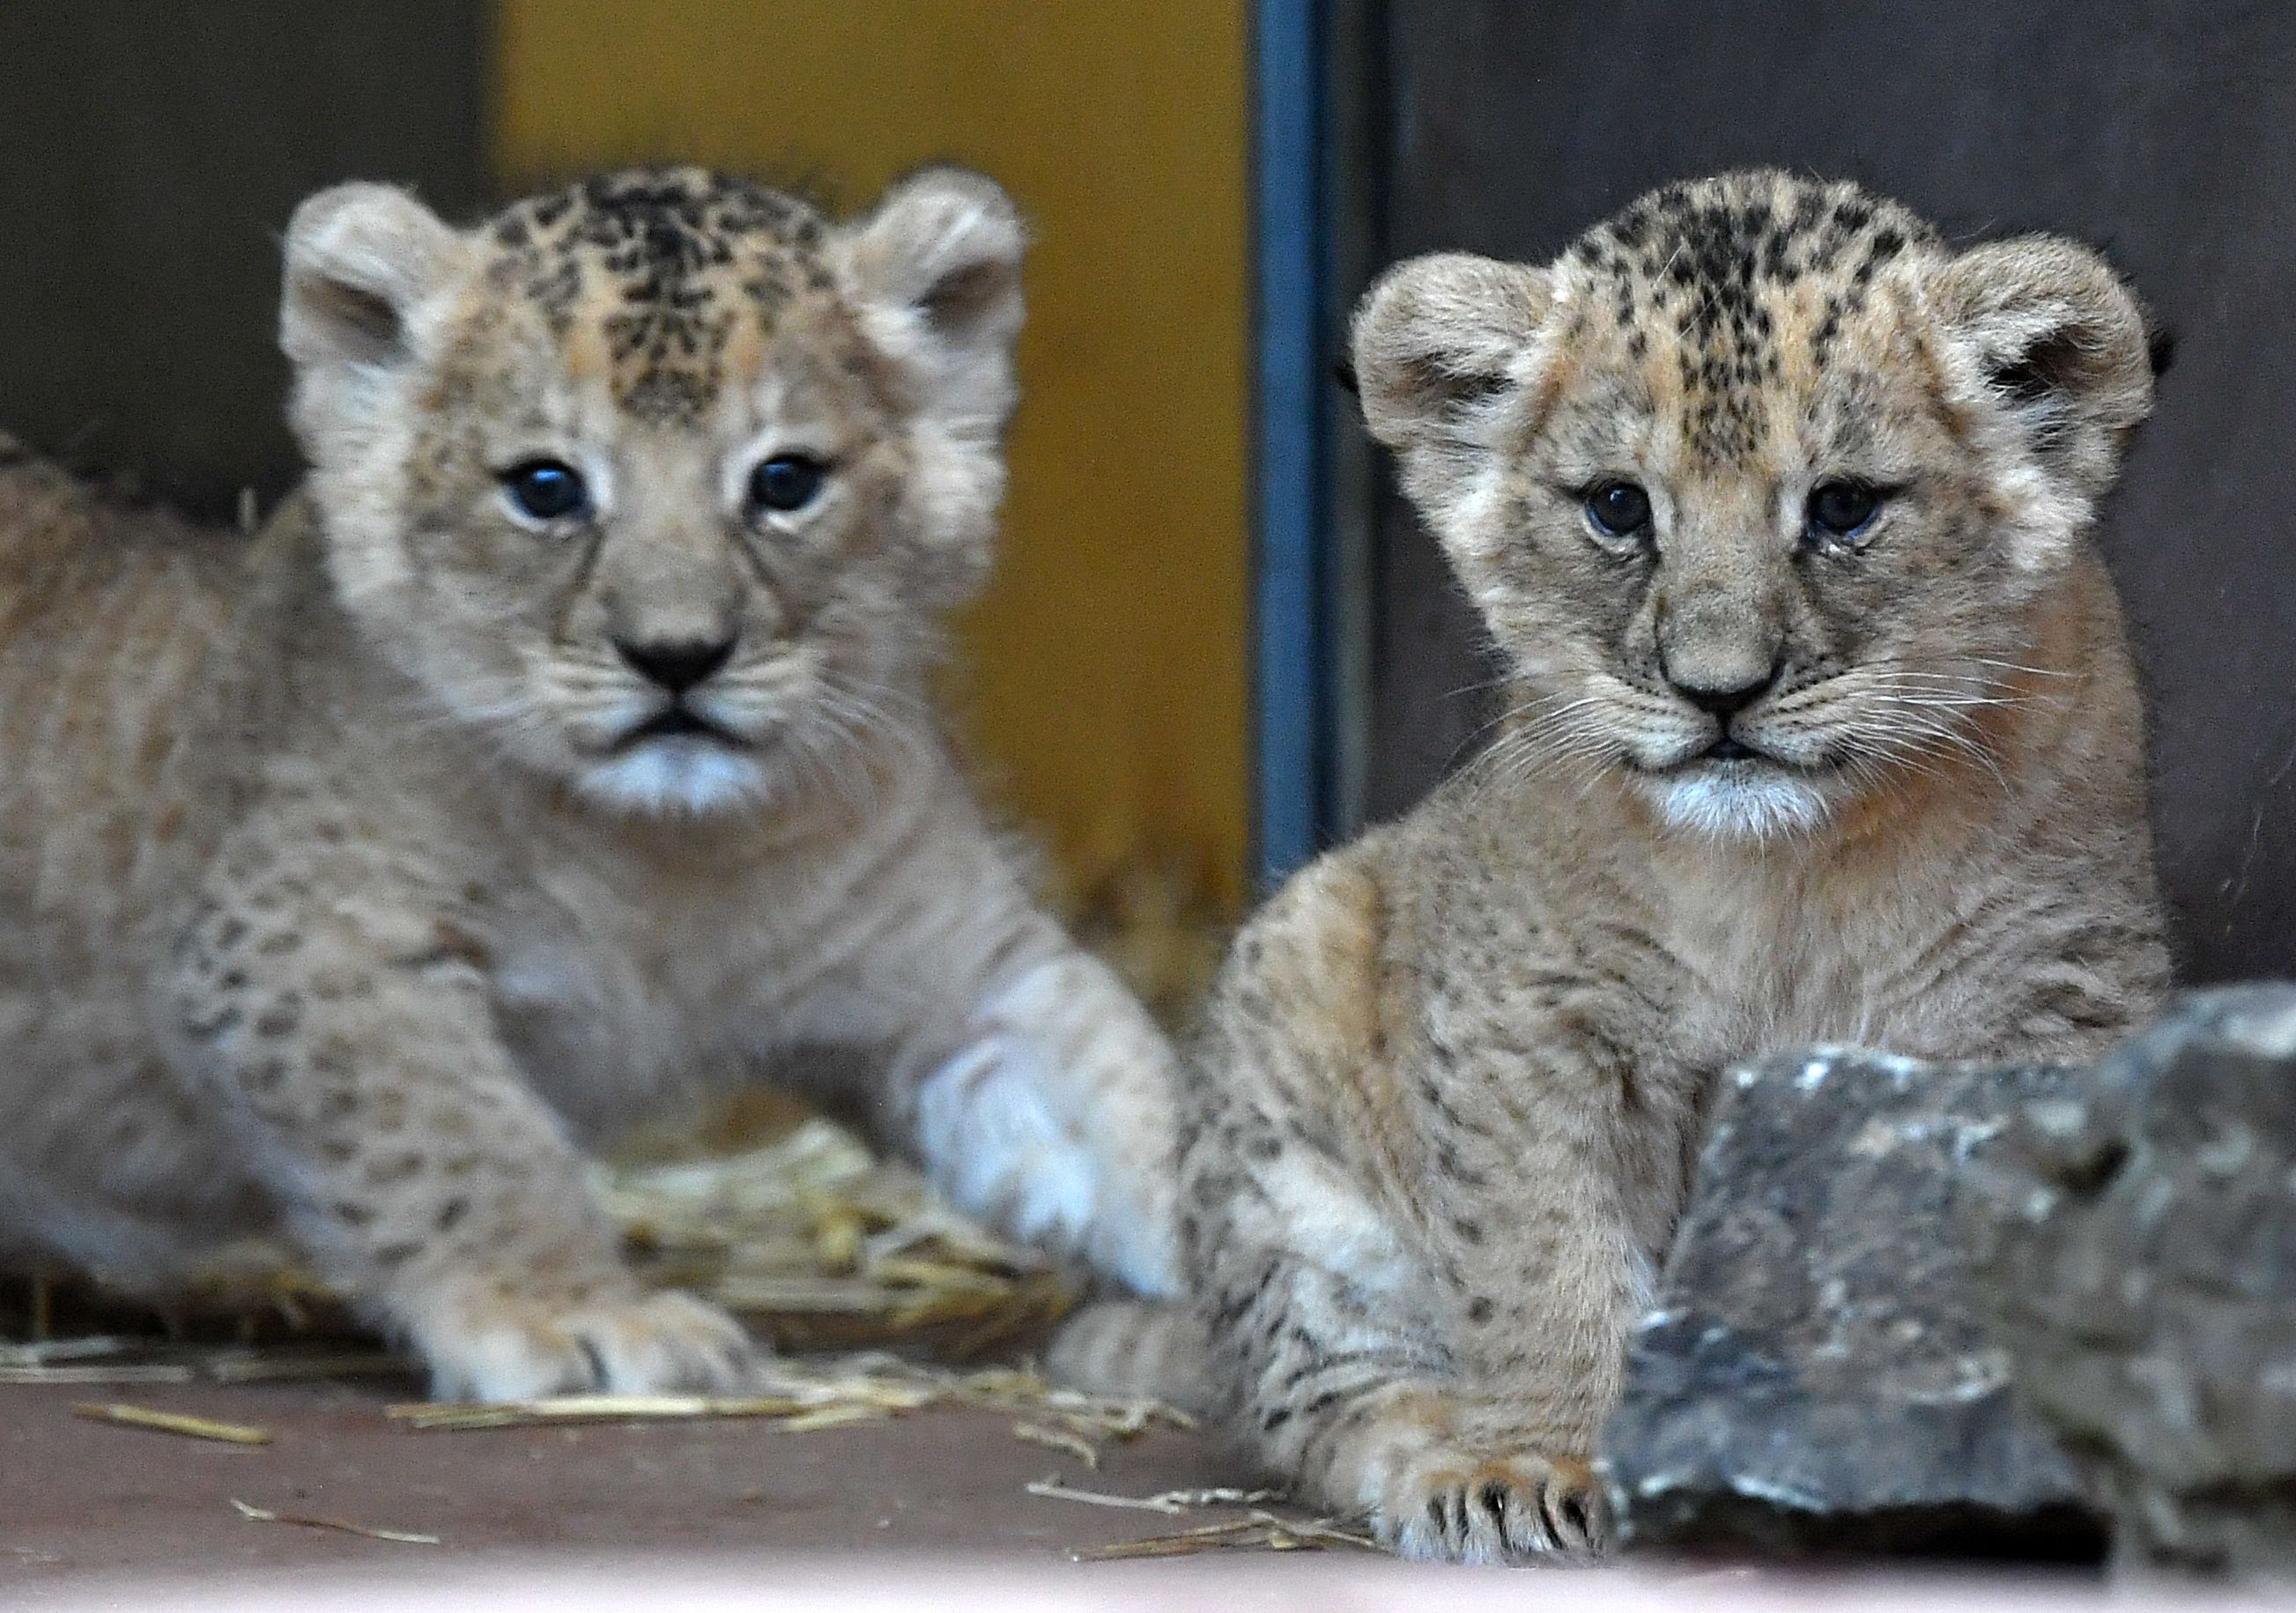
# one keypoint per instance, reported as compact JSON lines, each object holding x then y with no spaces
{"x":1413,"y":1224}
{"x":1034,"y":1087}
{"x":1054,"y":1118}
{"x":1370,"y":1367}
{"x":351,"y":1047}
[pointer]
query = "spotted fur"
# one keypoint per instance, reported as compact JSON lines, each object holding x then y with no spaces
{"x":352,"y":880}
{"x":667,"y":262}
{"x":1444,"y":1119}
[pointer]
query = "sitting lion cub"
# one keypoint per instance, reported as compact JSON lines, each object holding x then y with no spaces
{"x":564,"y":742}
{"x":1821,"y":729}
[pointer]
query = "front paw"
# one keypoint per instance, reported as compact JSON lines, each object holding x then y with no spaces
{"x":992,"y":1141}
{"x":488,"y":1343}
{"x":1451,"y":1505}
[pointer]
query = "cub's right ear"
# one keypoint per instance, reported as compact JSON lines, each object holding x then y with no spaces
{"x":1439,"y":340}
{"x":360,"y":258}
{"x":936,"y":267}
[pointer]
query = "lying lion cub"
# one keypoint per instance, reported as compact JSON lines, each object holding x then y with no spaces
{"x":1821,"y":729}
{"x":565,"y":741}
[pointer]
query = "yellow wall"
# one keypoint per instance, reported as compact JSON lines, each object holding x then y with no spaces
{"x":1106,"y":667}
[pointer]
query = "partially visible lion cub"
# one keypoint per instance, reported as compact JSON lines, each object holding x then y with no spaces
{"x":564,"y":744}
{"x":1821,"y":729}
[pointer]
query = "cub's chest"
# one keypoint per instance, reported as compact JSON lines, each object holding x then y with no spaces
{"x":1766,"y":976}
{"x":606,"y":1005}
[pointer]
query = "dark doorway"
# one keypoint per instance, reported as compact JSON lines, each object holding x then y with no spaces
{"x":149,"y":155}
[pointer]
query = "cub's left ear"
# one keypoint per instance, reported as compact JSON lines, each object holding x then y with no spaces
{"x":1439,"y":344}
{"x":937,"y":269}
{"x":2060,"y":343}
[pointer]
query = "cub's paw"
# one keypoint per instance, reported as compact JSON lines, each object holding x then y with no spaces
{"x":994,"y":1143}
{"x":488,"y":1345}
{"x":1451,"y":1506}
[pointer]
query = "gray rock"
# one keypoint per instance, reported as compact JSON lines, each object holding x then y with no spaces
{"x":1816,"y":1378}
{"x":2141,"y":1265}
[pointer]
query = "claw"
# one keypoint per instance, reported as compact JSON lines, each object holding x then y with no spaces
{"x":1509,"y":1509}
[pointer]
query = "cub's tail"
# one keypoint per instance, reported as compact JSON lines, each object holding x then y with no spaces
{"x":1136,"y":1349}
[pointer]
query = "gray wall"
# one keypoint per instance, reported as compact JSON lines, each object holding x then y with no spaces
{"x":149,"y":155}
{"x":2166,"y":133}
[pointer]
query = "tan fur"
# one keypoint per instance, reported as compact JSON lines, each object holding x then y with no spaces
{"x":336,"y":885}
{"x":1445,"y":1117}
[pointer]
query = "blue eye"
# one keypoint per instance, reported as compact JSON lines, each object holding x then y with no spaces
{"x":786,"y":482}
{"x":1843,"y":509}
{"x":1619,"y":509}
{"x":547,"y":489}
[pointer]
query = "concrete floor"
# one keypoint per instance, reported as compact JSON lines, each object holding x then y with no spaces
{"x":79,"y":1498}
{"x":925,"y":1511}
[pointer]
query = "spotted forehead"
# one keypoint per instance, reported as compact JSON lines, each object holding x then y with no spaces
{"x":667,"y":262}
{"x":1713,"y":270}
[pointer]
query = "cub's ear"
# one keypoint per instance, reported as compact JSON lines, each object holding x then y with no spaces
{"x":359,"y":258}
{"x":2059,"y":343}
{"x":1439,"y":340}
{"x":937,"y":269}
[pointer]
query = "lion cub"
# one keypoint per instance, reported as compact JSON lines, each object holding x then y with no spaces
{"x":1821,"y":729}
{"x":565,"y":743}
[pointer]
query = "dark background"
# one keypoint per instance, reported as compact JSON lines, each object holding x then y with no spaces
{"x":2165,"y":133}
{"x":151,"y":151}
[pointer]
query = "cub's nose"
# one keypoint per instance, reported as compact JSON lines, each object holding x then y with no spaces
{"x":1723,"y":701}
{"x":677,"y":665}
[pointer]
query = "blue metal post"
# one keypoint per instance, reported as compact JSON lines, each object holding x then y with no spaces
{"x":1291,"y":747}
